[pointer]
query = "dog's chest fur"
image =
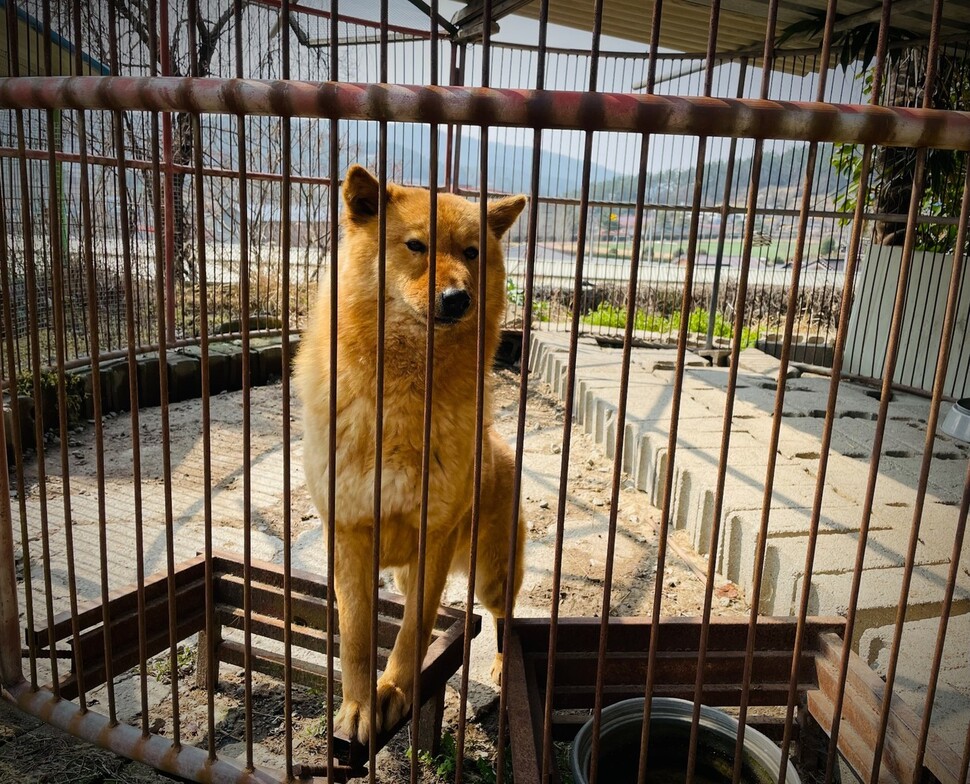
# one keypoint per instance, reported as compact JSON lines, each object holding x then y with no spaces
{"x":452,"y":448}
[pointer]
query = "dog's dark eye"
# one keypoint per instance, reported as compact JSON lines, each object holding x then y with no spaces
{"x":471,"y":253}
{"x":416,"y":245}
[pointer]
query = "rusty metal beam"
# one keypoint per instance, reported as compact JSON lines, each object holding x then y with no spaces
{"x":188,"y":762}
{"x":755,"y":119}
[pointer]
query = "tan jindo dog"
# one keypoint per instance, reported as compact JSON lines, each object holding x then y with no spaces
{"x":452,"y":429}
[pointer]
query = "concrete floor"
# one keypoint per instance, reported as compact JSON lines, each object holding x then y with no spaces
{"x":645,"y":456}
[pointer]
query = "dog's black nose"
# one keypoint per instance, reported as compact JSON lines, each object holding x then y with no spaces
{"x":452,"y":304}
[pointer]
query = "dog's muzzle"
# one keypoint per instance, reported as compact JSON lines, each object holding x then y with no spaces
{"x":452,"y":305}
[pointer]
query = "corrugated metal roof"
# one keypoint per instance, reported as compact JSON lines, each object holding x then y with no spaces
{"x":685,"y":23}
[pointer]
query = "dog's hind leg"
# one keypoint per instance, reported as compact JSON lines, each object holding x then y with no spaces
{"x":495,"y":538}
{"x":395,"y":686}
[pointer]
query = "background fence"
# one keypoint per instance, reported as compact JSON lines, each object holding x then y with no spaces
{"x":615,"y":162}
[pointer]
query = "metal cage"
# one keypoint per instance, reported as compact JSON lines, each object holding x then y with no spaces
{"x":735,"y":309}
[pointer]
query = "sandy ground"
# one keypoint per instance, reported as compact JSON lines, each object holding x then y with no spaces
{"x":586,"y":525}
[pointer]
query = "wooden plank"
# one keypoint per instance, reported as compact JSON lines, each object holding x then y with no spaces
{"x":715,"y":695}
{"x":120,"y":601}
{"x":537,"y":704}
{"x":633,"y":634}
{"x":857,"y":752}
{"x":675,"y":667}
{"x":315,"y":586}
{"x":127,"y":656}
{"x":525,"y":754}
{"x":189,"y":603}
{"x":865,"y":692}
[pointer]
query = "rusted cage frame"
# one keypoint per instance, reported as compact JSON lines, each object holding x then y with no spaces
{"x":931,"y":119}
{"x":882,"y":414}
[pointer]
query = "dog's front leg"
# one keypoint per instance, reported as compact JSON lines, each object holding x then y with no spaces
{"x":397,"y":682}
{"x":353,"y":587}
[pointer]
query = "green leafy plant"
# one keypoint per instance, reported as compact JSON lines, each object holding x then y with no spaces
{"x":514,"y":292}
{"x":160,"y":667}
{"x":613,"y":317}
{"x":891,"y":180}
{"x":445,"y":763}
{"x":74,"y":389}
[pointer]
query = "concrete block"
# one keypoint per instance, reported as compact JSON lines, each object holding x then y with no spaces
{"x":184,"y":378}
{"x":267,"y":360}
{"x":228,"y":366}
{"x":879,"y":594}
{"x":28,"y":432}
{"x":836,"y":555}
{"x":919,"y":644}
{"x":149,"y":390}
{"x":87,"y":401}
{"x":115,"y":391}
{"x":219,"y":366}
{"x":755,"y":360}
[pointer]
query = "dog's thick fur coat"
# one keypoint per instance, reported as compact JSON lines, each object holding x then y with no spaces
{"x":453,"y":424}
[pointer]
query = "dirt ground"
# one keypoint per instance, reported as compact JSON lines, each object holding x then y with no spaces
{"x":585,"y":534}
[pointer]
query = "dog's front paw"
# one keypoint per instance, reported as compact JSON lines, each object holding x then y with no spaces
{"x":353,"y":720}
{"x":393,"y":702}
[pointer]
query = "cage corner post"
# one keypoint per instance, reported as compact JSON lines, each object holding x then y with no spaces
{"x":11,"y":673}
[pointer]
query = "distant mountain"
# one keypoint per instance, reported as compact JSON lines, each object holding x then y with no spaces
{"x":782,"y":175}
{"x":509,"y":165}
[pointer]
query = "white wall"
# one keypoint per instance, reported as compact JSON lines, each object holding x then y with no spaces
{"x":872,"y":309}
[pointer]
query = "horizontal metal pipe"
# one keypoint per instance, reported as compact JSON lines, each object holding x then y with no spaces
{"x":146,"y":165}
{"x":586,"y":111}
{"x":189,"y":762}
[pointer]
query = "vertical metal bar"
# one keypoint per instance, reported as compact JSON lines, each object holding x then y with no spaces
{"x":724,"y":214}
{"x":12,"y":359}
{"x":11,"y":672}
{"x":946,"y":608}
{"x":419,"y":638}
{"x":450,"y":137}
{"x":620,"y":433}
{"x":209,"y":653}
{"x":479,"y":418}
{"x":57,"y":268}
{"x":671,"y":450}
{"x":286,"y":165}
{"x":855,"y":242}
{"x":686,"y":304}
{"x":14,"y":362}
{"x":458,"y":78}
{"x":631,"y":301}
{"x":131,"y":340}
{"x":244,"y":288}
{"x":33,"y":304}
{"x":332,"y":392}
{"x":164,"y":59}
{"x":541,"y":57}
{"x":889,"y":368}
{"x":156,"y":200}
{"x":740,"y":302}
{"x":939,"y":383}
{"x":795,"y":283}
{"x":379,"y":394}
{"x":162,"y":195}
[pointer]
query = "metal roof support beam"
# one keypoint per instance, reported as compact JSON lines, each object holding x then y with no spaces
{"x":469,"y":21}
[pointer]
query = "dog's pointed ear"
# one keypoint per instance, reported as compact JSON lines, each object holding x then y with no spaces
{"x":502,"y":213}
{"x":361,"y":194}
